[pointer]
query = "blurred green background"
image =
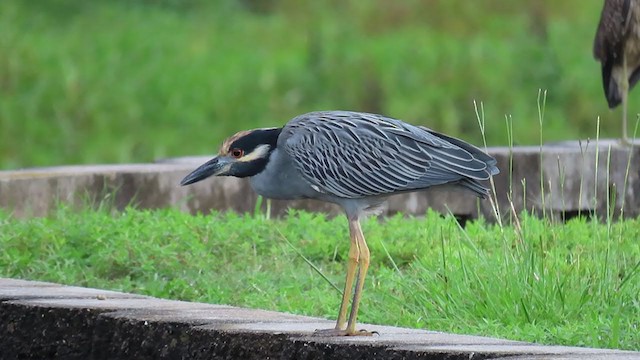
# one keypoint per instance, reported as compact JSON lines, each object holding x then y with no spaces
{"x":133,"y":81}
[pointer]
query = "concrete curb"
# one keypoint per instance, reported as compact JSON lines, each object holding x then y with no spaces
{"x":45,"y":320}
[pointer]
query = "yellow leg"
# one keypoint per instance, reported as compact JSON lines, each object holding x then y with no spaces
{"x":358,"y":260}
{"x":348,"y":284}
{"x":364,"y":256}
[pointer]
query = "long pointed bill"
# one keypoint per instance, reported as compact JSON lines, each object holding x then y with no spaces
{"x":212,"y":167}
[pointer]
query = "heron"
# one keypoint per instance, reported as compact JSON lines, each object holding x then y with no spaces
{"x":352,"y":159}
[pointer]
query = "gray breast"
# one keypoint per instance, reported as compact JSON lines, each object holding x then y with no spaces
{"x":281,"y":180}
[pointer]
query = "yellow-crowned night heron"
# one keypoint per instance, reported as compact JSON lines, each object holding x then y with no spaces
{"x":617,"y":47}
{"x":351,"y":159}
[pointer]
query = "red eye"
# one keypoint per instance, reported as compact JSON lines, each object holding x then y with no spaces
{"x":237,"y":153}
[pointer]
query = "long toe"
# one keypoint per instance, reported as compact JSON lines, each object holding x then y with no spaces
{"x":339,"y":332}
{"x":363,"y":332}
{"x":329,"y":332}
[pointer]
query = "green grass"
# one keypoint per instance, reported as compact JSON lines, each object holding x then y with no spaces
{"x":576,"y":283}
{"x":122,"y":81}
{"x":132,"y":81}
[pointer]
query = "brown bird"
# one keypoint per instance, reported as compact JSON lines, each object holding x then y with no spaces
{"x":617,"y":47}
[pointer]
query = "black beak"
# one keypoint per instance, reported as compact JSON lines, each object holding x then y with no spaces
{"x":210,"y":168}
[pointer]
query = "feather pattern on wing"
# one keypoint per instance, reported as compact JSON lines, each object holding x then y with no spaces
{"x":352,"y":155}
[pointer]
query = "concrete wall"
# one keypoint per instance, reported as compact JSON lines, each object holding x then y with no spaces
{"x":575,"y":177}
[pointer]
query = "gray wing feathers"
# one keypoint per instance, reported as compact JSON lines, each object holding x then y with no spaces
{"x":489,"y":161}
{"x":353,"y":155}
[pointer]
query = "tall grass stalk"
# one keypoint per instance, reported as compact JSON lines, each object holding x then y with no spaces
{"x":542,"y":101}
{"x":627,"y":168}
{"x":509,"y":126}
{"x":583,"y":157}
{"x":594,"y":200}
{"x":495,"y":205}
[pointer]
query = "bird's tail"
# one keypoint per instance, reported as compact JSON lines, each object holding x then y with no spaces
{"x":490,"y":161}
{"x":477,"y":187}
{"x":611,"y":89}
{"x":611,"y":76}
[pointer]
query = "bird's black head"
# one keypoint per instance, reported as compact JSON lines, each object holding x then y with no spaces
{"x":241,"y":155}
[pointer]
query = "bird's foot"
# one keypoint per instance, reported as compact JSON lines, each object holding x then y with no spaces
{"x":627,"y":142}
{"x":340,"y":332}
{"x":363,"y":332}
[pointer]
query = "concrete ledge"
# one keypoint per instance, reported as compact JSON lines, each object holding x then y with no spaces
{"x":43,"y":320}
{"x":562,"y":180}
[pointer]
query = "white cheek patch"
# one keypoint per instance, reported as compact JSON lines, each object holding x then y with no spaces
{"x":259,"y":152}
